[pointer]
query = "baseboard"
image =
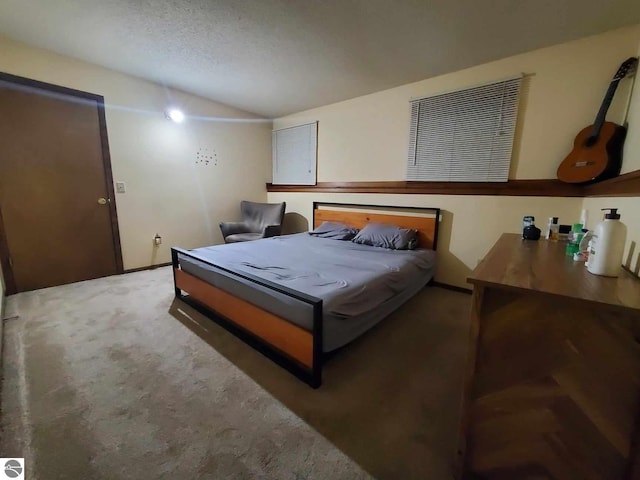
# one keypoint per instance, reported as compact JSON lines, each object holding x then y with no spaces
{"x":446,"y":286}
{"x":148,"y":267}
{"x":635,"y":273}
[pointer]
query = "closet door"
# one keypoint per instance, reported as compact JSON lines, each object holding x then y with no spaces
{"x":58,"y":219}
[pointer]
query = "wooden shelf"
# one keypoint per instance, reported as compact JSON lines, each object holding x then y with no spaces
{"x":627,"y":185}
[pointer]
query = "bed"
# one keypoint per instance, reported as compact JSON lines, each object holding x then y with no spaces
{"x":295,"y":298}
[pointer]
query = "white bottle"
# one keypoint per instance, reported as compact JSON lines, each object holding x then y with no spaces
{"x":607,"y":245}
{"x":583,"y":218}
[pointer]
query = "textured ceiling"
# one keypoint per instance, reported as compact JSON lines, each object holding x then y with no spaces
{"x":274,"y":57}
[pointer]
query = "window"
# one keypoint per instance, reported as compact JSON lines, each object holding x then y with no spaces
{"x":464,"y":136}
{"x":294,"y":155}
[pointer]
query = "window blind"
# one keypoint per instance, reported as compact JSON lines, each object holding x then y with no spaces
{"x":294,"y":155}
{"x":464,"y":136}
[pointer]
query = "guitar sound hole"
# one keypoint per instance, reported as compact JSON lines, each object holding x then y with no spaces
{"x":590,"y":141}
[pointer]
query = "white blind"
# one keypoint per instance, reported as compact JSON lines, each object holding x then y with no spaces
{"x":294,"y":155}
{"x":464,"y":136}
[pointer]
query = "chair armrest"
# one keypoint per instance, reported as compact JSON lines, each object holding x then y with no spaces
{"x":271,"y":231}
{"x":231,"y":228}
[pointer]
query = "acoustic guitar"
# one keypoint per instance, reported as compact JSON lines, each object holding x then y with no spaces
{"x":597,"y":149}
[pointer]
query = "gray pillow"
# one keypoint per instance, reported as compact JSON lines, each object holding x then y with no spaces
{"x":387,"y":236}
{"x":334,"y":230}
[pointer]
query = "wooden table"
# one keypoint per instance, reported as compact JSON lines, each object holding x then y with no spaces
{"x":553,"y":388}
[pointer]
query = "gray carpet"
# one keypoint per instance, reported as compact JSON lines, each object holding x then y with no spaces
{"x":114,"y":379}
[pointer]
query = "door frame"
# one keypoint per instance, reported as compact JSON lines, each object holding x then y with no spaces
{"x":5,"y":262}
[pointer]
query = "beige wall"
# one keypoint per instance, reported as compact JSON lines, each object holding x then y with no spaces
{"x":365,"y":139}
{"x":469,"y":226}
{"x":632,"y":143}
{"x":167,"y":192}
{"x":630,"y":206}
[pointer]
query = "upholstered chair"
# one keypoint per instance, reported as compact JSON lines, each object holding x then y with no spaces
{"x":259,"y":220}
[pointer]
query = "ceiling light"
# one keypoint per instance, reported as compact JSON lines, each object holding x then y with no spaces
{"x":175,"y":115}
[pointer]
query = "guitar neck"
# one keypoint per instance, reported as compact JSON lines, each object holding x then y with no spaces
{"x":604,"y":108}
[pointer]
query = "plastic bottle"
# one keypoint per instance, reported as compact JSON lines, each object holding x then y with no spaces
{"x":583,"y":218}
{"x":607,"y":245}
{"x":553,"y":229}
{"x":575,"y":237}
{"x":586,"y":252}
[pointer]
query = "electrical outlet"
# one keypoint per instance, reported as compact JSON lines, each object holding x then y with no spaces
{"x":120,"y":187}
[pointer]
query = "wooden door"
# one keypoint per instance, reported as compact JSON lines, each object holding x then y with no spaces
{"x":57,"y":210}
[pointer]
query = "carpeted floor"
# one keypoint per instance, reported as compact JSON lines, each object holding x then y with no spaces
{"x":114,"y":379}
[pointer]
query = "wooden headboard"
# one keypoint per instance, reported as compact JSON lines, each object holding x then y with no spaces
{"x":424,"y":220}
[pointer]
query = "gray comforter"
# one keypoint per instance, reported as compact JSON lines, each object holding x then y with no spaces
{"x":351,"y":279}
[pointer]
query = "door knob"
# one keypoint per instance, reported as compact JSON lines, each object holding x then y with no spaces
{"x":103,"y":201}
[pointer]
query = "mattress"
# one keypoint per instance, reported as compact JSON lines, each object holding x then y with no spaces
{"x":358,"y":284}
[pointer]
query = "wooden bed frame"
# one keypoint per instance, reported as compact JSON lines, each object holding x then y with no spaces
{"x":294,"y":348}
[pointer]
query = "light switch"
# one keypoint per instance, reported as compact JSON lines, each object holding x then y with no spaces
{"x":120,"y":187}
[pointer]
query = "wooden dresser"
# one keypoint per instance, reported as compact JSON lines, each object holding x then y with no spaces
{"x":553,"y":388}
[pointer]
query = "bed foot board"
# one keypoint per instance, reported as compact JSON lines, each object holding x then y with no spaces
{"x":295,"y":349}
{"x":312,"y":378}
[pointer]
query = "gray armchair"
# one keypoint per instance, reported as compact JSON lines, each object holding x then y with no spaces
{"x":259,"y":220}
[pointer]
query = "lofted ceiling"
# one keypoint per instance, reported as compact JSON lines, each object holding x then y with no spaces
{"x":274,"y":57}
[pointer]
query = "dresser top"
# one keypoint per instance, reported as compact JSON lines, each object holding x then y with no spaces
{"x":542,"y":266}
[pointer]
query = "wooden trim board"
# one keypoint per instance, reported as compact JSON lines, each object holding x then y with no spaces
{"x":454,"y":288}
{"x":5,"y":263}
{"x":529,"y":188}
{"x":148,"y":267}
{"x":626,"y":185}
{"x":108,"y":174}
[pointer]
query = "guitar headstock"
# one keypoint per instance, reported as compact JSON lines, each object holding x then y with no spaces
{"x":628,"y":68}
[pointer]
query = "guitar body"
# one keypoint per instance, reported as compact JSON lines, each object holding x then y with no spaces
{"x":597,"y":149}
{"x":591,"y":161}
